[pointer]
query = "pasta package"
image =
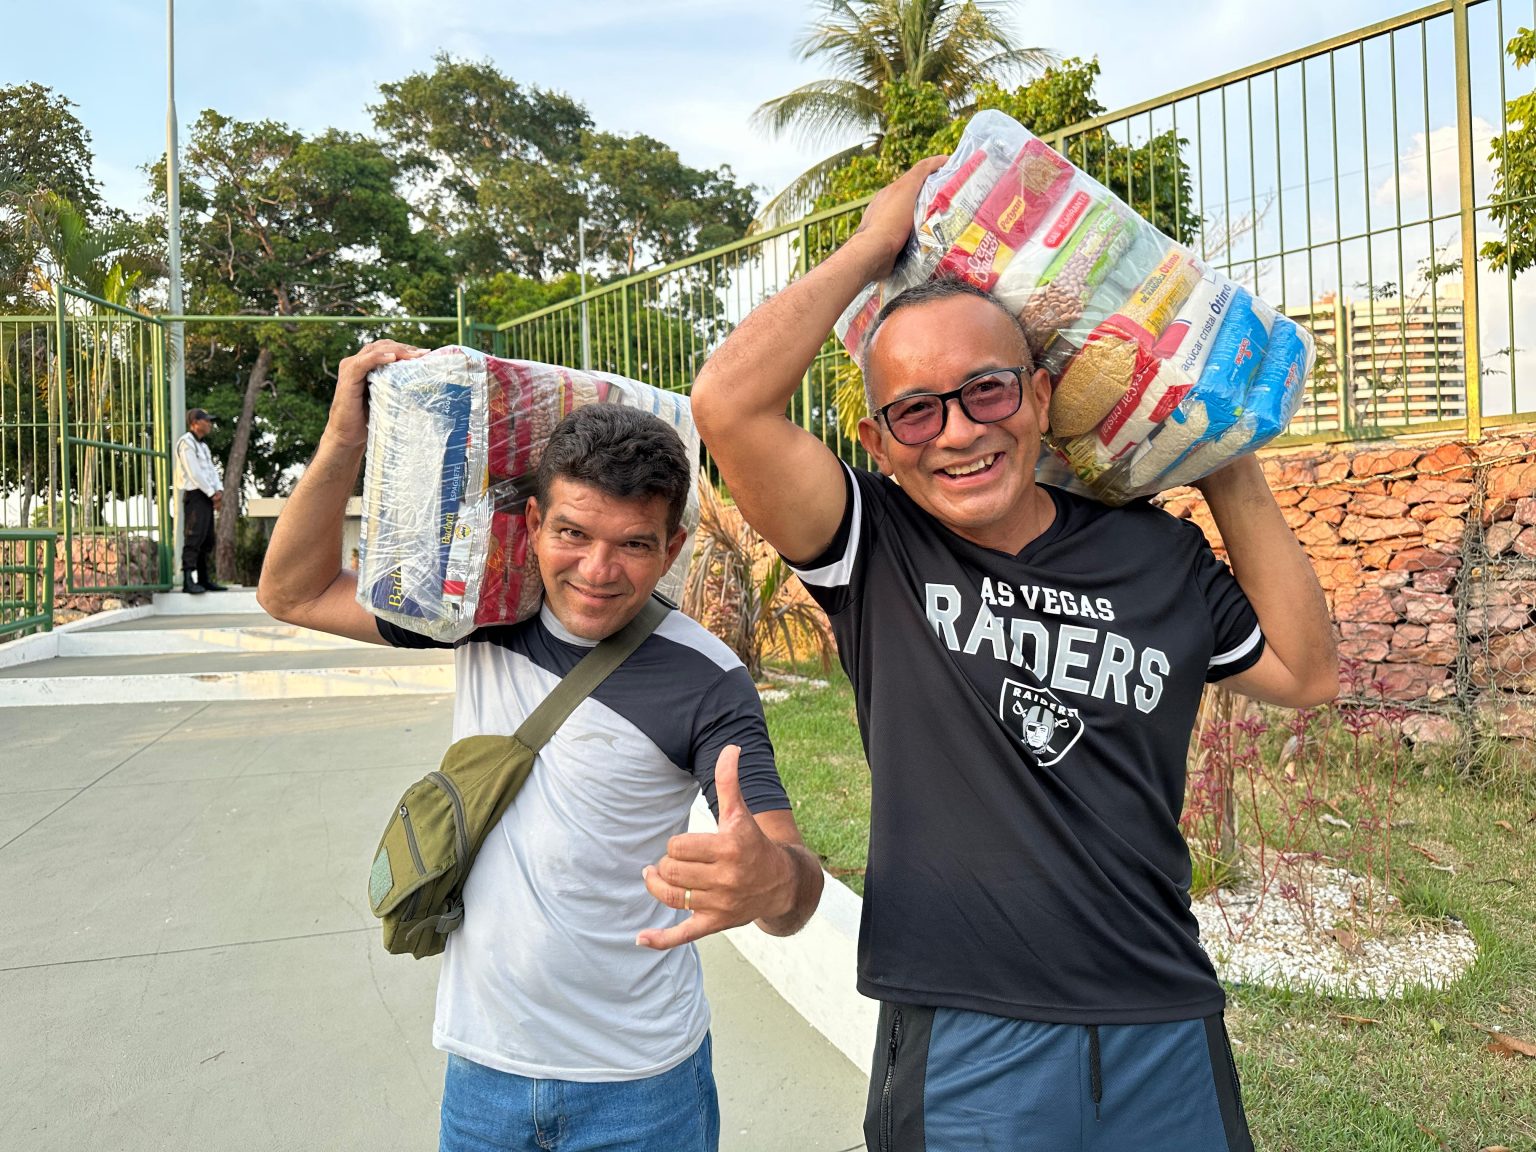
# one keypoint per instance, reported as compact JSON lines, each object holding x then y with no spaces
{"x":1162,"y":368}
{"x":454,"y":443}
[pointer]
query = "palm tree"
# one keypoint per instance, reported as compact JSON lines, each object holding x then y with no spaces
{"x":870,"y":44}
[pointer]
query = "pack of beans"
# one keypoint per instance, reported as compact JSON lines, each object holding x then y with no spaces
{"x":1162,"y":368}
{"x":454,"y":443}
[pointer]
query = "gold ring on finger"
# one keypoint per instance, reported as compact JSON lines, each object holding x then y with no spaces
{"x":688,"y":899}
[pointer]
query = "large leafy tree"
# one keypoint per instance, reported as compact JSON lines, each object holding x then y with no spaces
{"x":648,"y":206}
{"x":1514,"y":191}
{"x":876,"y":51}
{"x":45,"y":165}
{"x":56,"y":231}
{"x":486,"y":160}
{"x":502,"y":174}
{"x":279,"y":224}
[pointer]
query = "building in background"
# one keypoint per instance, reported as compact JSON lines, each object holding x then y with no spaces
{"x":1386,"y":363}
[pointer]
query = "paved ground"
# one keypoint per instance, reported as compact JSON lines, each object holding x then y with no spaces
{"x":189,"y":961}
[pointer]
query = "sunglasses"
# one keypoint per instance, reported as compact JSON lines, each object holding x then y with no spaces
{"x":985,"y":398}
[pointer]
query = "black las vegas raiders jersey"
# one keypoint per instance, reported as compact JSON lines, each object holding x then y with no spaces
{"x":1026,"y":719}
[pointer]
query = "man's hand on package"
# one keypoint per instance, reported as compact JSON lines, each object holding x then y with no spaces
{"x":348,"y":422}
{"x":725,"y":878}
{"x":887,"y":222}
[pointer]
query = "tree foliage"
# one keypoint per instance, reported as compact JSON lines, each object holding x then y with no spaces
{"x":1152,"y":177}
{"x":880,"y":52}
{"x":276,"y":223}
{"x":1514,"y":186}
{"x":50,"y":202}
{"x":502,"y":175}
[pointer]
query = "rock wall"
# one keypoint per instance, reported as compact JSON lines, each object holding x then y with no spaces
{"x":102,"y":561}
{"x":1427,"y":555}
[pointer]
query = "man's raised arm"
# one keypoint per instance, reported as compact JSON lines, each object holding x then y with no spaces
{"x":1300,"y":664}
{"x":786,"y":482}
{"x":302,"y":579}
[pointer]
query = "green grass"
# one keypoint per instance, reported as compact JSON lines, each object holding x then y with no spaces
{"x":816,"y":739}
{"x":1421,"y":1077}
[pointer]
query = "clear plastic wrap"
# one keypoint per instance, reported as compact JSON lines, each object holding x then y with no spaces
{"x":454,"y":441}
{"x":1162,"y":368}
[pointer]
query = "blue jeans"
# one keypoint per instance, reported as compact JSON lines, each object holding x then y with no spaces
{"x":489,"y":1111}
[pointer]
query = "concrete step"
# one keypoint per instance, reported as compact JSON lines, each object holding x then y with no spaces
{"x":130,"y":640}
{"x":273,"y":684}
{"x":274,"y":674}
{"x":232,"y":599}
{"x":152,"y":621}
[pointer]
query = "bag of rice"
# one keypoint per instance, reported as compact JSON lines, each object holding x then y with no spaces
{"x":1162,"y":368}
{"x":454,"y":442}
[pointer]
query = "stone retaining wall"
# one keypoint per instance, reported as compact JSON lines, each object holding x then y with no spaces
{"x":1427,"y":555}
{"x":103,"y":561}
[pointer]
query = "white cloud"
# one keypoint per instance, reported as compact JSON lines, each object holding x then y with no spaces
{"x":1430,"y":165}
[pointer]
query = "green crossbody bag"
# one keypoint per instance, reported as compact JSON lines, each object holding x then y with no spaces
{"x":416,"y":884}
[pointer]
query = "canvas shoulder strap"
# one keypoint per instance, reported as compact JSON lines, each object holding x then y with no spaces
{"x":580,"y":682}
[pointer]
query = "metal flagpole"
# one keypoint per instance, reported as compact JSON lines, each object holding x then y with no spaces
{"x":173,"y":233}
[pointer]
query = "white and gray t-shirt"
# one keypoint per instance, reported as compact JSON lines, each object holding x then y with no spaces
{"x":544,"y":978}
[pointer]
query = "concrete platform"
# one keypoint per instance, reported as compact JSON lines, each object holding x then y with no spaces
{"x":190,"y":962}
{"x":152,"y":656}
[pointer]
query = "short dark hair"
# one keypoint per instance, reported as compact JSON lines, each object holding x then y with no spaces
{"x":939,"y":288}
{"x":621,"y":451}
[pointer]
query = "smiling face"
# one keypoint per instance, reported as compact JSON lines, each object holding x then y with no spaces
{"x":976,"y":479}
{"x":599,"y":555}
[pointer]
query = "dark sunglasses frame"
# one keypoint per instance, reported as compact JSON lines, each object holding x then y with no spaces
{"x":1018,"y":372}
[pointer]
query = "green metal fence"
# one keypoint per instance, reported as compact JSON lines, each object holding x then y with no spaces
{"x":1347,"y":183}
{"x":115,"y":460}
{"x":29,"y":453}
{"x":86,"y":439}
{"x":26,"y":581}
{"x":83,"y":447}
{"x":660,"y":326}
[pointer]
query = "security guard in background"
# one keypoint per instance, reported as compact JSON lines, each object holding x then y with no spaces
{"x":202,"y":491}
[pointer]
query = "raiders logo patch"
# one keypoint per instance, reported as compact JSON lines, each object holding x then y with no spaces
{"x":1039,"y":721}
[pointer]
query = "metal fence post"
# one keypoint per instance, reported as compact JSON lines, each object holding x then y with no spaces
{"x":801,"y":258}
{"x":1471,"y":332}
{"x":64,"y":435}
{"x":626,"y":335}
{"x":165,"y":471}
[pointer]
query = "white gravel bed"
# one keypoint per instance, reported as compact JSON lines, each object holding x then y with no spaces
{"x":1321,"y":935}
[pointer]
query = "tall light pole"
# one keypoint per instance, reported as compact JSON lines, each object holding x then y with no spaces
{"x":173,"y":238}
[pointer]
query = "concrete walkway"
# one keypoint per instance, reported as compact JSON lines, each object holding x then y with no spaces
{"x":189,"y":961}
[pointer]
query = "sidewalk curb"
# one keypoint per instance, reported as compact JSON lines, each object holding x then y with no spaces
{"x":414,"y":679}
{"x":815,"y":969}
{"x":45,"y":645}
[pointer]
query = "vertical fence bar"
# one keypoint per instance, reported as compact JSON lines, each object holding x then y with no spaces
{"x":1472,"y":360}
{"x":163,"y":436}
{"x":802,"y":258}
{"x":65,"y":439}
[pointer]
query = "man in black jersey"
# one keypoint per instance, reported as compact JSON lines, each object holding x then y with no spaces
{"x":1027,"y":665}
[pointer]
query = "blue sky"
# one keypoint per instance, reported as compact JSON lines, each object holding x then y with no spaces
{"x":688,"y":72}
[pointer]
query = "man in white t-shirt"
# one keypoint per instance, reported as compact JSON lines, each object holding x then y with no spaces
{"x":202,"y":493}
{"x":571,"y":1001}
